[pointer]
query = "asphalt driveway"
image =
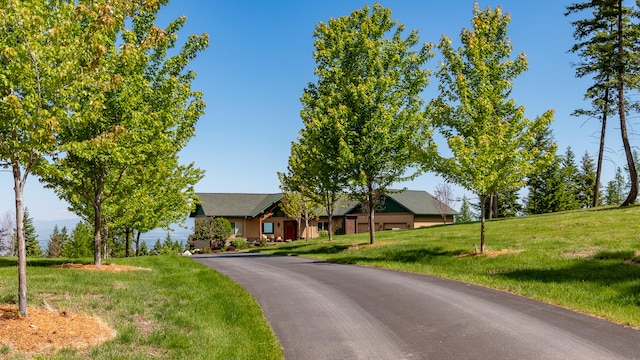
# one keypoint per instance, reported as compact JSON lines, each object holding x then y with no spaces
{"x":325,"y":311}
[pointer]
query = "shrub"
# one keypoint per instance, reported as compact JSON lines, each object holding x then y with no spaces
{"x":323,"y":233}
{"x":239,"y":243}
{"x":215,"y":230}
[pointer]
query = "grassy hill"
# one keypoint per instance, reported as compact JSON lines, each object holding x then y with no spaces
{"x":586,"y":260}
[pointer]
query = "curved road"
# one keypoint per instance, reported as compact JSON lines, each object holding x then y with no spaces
{"x":325,"y":311}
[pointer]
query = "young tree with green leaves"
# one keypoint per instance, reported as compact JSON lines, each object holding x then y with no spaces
{"x":297,"y":206}
{"x":137,"y":120}
{"x":368,"y":93}
{"x":317,"y":166}
{"x":48,"y":50}
{"x":607,"y":42}
{"x":488,"y":134}
{"x":154,"y":199}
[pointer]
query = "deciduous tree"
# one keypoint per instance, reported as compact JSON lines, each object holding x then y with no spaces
{"x":368,"y":92}
{"x":6,"y":234}
{"x":488,"y":134}
{"x":445,"y":197}
{"x":297,"y":206}
{"x":46,"y":49}
{"x":138,"y":118}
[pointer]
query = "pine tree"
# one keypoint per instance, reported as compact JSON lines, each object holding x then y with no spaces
{"x":466,"y":215}
{"x":587,"y":181}
{"x":608,"y":43}
{"x":57,"y":241}
{"x":615,"y":189}
{"x":554,"y":188}
{"x":508,"y":204}
{"x":570,"y":176}
{"x":32,"y":246}
{"x":80,"y":243}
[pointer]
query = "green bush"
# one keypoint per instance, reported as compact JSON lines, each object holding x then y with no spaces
{"x":239,"y":243}
{"x":323,"y":233}
{"x":215,"y":230}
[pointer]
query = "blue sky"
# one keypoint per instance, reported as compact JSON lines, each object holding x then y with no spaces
{"x":260,"y":59}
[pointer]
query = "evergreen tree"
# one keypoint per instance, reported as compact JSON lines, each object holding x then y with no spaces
{"x":608,"y":43}
{"x":615,"y":189}
{"x":143,"y":250}
{"x":466,"y":215}
{"x":570,"y":176}
{"x":32,"y":246}
{"x":540,"y":183}
{"x":157,"y":248}
{"x":587,"y":181}
{"x":80,"y":244}
{"x":508,"y":204}
{"x":56,"y":241}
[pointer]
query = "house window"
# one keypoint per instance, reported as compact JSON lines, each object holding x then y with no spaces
{"x":236,"y":228}
{"x":267,"y":228}
{"x":324,"y":225}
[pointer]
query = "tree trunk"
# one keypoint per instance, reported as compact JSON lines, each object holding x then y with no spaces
{"x":372,"y":230}
{"x":330,"y":215}
{"x":633,"y":175}
{"x":22,"y":251}
{"x":105,"y":229}
{"x":127,"y":241}
{"x":605,"y":110}
{"x":306,"y":226}
{"x":97,"y":259}
{"x":483,"y":199}
{"x":138,"y":244}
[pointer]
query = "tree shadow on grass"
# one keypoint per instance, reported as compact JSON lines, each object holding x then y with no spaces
{"x":295,"y":249}
{"x":323,"y":249}
{"x":13,"y":262}
{"x":606,"y":269}
{"x":421,"y":255}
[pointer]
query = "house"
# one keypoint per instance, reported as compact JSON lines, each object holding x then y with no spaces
{"x":258,"y":216}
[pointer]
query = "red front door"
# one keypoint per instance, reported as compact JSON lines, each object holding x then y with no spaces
{"x":290,"y":230}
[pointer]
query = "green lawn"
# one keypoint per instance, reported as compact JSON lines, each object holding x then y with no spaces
{"x":177,"y":310}
{"x":585,"y":260}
